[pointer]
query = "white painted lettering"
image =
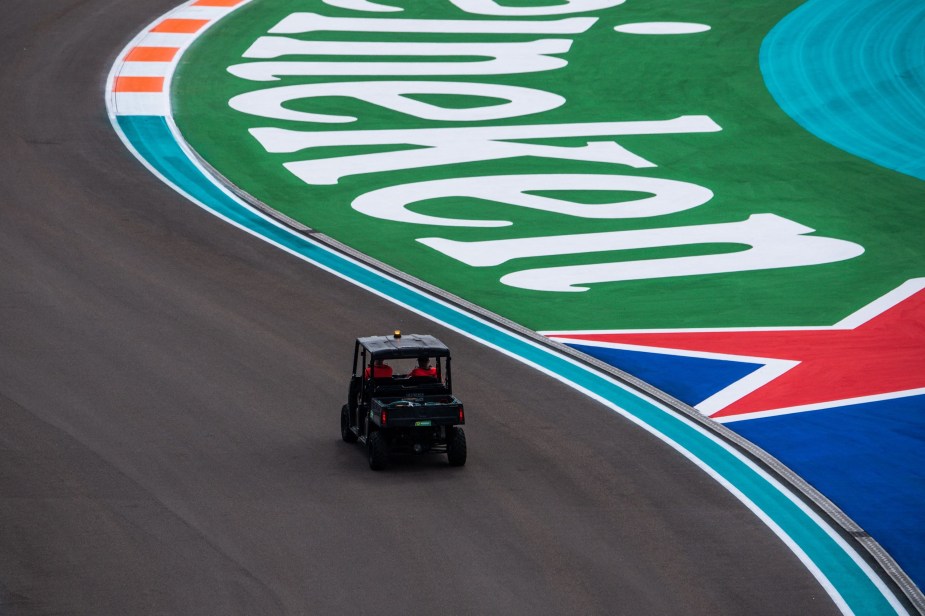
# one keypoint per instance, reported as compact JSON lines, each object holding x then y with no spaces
{"x":765,"y":241}
{"x":394,"y":95}
{"x":301,"y":23}
{"x":363,"y":5}
{"x":669,"y":196}
{"x":774,"y":242}
{"x":505,"y":58}
{"x":443,"y":146}
{"x":278,"y":140}
{"x":490,"y":7}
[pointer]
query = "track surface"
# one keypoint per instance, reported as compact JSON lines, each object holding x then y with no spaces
{"x":169,"y":395}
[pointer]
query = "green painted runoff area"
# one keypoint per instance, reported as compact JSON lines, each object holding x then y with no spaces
{"x":760,"y":162}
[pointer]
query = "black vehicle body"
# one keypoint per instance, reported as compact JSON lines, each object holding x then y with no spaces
{"x":401,"y":413}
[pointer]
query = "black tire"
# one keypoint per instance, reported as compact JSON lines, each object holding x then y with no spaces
{"x":378,"y":451}
{"x":456,"y":446}
{"x":346,"y":433}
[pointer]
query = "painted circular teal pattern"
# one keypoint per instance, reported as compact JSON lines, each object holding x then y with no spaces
{"x":852,"y":72}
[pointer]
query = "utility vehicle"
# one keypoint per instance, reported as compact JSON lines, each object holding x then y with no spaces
{"x":400,"y":400}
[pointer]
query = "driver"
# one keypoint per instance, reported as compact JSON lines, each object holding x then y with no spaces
{"x":381,"y":370}
{"x":424,"y":368}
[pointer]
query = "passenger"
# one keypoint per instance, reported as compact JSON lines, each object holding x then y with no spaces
{"x":424,"y":368}
{"x":381,"y":370}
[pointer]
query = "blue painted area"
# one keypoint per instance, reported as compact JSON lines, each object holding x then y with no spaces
{"x":152,"y":138}
{"x":855,"y":452}
{"x":689,"y":379}
{"x":147,"y":135}
{"x":852,"y":72}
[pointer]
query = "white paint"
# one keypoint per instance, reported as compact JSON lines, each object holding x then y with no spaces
{"x":852,"y":321}
{"x":774,"y":242}
{"x":821,"y":406}
{"x":301,"y":23}
{"x":444,"y":146}
{"x":662,"y":27}
{"x":767,"y":369}
{"x":669,"y":196}
{"x":882,"y":304}
{"x":330,"y":170}
{"x":141,"y":103}
{"x":750,"y":383}
{"x":167,"y":39}
{"x":505,"y":58}
{"x":363,"y":5}
{"x":747,"y":385}
{"x":772,"y":369}
{"x":278,"y":140}
{"x":146,"y":69}
{"x":393,"y":95}
{"x":554,"y":334}
{"x":490,"y":7}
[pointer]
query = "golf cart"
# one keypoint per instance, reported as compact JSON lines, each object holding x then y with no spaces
{"x":400,"y":400}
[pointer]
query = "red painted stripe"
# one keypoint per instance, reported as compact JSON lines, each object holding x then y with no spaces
{"x":180,"y":26}
{"x":138,"y":84}
{"x":151,"y":54}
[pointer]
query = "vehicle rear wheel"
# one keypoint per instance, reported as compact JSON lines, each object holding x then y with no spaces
{"x":378,"y":451}
{"x":346,"y":433}
{"x":456,"y":446}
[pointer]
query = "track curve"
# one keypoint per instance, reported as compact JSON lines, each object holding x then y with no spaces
{"x":169,"y":390}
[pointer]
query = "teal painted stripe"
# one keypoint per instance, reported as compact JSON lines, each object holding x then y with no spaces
{"x":852,"y":72}
{"x":151,"y":137}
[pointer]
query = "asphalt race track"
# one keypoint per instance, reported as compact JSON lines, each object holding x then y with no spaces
{"x":169,"y":404}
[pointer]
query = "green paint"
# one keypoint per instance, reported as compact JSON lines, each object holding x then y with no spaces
{"x":761,"y":162}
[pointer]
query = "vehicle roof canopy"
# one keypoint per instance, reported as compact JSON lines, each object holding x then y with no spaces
{"x":409,"y":345}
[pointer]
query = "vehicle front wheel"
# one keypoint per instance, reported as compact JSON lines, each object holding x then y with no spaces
{"x":456,"y":446}
{"x":346,"y":433}
{"x":378,"y":451}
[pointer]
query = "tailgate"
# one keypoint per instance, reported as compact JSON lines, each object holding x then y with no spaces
{"x":403,"y":412}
